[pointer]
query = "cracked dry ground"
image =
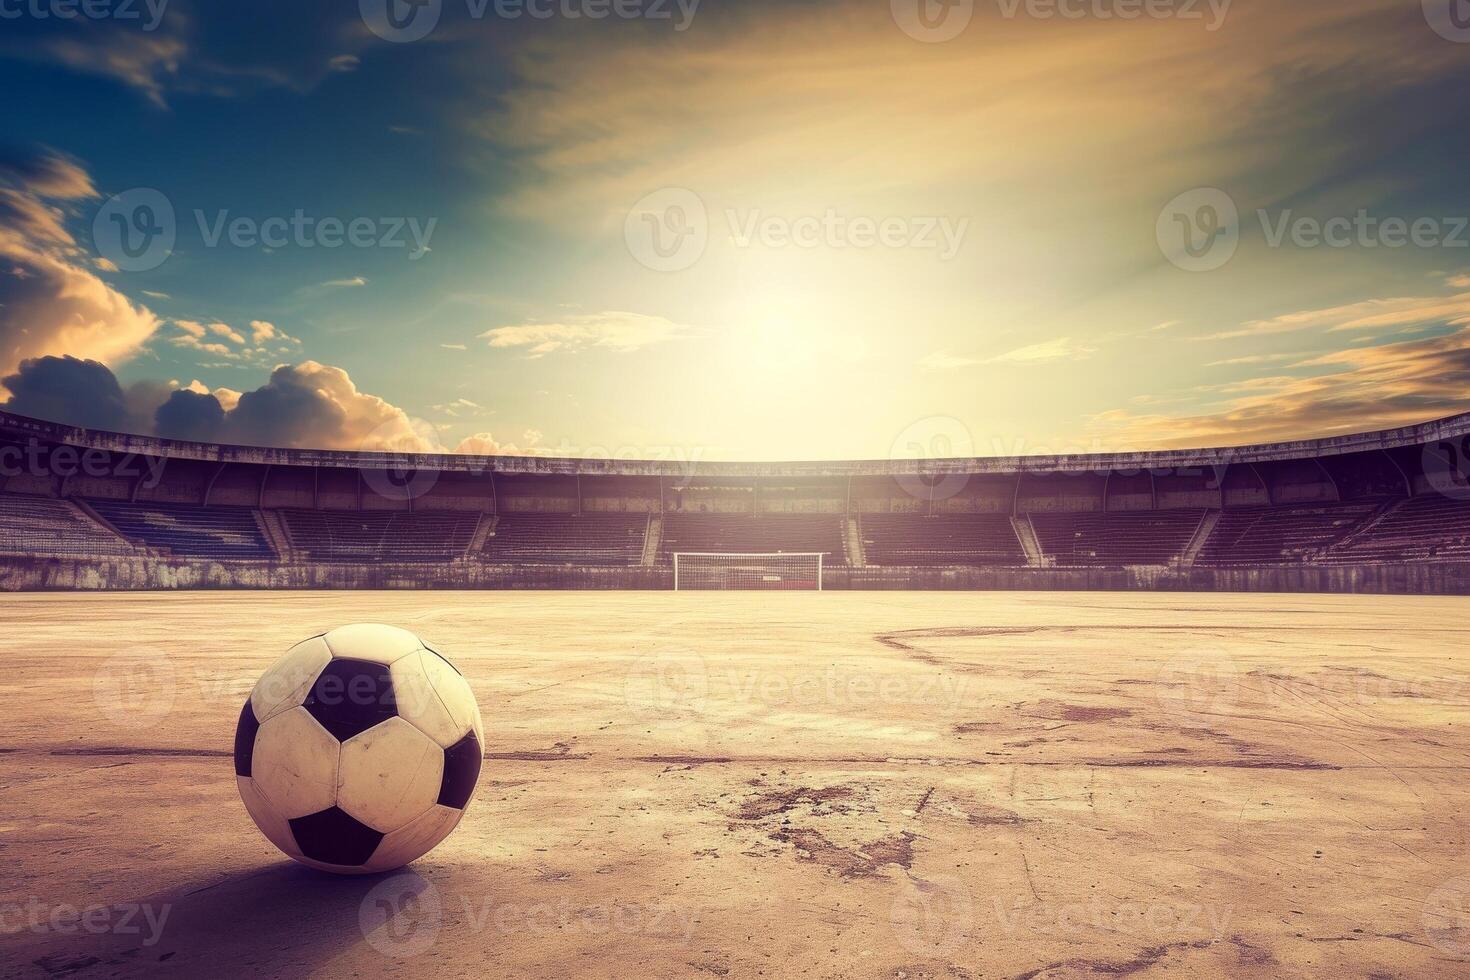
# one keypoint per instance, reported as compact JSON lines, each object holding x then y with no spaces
{"x":776,"y":785}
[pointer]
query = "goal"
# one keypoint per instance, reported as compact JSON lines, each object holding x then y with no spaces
{"x":729,"y":570}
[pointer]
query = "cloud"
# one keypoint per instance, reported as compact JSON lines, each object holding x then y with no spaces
{"x":1059,"y":349}
{"x":1377,"y":387}
{"x":46,"y":174}
{"x":303,"y":406}
{"x":226,"y":331}
{"x":945,"y":361}
{"x":51,"y":300}
{"x":344,"y":63}
{"x":620,"y":332}
{"x":454,"y":346}
{"x":1373,"y":314}
{"x":485,"y":444}
{"x":345,"y":283}
{"x":263,"y":331}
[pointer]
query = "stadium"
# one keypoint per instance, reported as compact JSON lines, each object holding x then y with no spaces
{"x":747,"y":490}
{"x":1383,"y":511}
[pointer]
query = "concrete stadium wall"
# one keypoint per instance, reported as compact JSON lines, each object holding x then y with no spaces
{"x":18,"y":574}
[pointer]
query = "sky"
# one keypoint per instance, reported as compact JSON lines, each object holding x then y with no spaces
{"x":736,"y":230}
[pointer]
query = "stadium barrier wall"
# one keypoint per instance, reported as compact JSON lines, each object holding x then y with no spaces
{"x":21,"y":574}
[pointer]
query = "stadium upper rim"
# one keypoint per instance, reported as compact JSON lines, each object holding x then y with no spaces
{"x":1452,"y":427}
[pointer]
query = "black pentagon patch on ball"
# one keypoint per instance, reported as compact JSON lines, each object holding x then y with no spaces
{"x":245,"y":739}
{"x":461,"y":772}
{"x":335,"y":837}
{"x":351,"y":696}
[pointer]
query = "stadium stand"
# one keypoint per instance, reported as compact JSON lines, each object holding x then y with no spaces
{"x":1374,"y":511}
{"x":1099,"y":538}
{"x":744,"y":533}
{"x":1423,"y":529}
{"x":44,"y":526}
{"x":221,"y":533}
{"x":363,"y":536}
{"x":1280,"y":535}
{"x":940,"y":540}
{"x":555,"y":539}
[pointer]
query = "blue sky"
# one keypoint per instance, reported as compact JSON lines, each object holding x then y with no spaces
{"x":904,"y":241}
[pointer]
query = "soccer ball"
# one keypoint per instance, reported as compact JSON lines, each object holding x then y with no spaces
{"x":359,"y":750}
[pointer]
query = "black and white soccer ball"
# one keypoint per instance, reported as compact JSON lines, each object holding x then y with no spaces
{"x":359,"y":750}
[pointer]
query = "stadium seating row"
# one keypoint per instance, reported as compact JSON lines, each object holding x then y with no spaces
{"x":1389,"y":530}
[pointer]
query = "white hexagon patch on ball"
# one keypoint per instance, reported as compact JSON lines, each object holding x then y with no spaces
{"x":359,"y":750}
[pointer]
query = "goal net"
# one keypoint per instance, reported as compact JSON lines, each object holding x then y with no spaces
{"x":722,"y":570}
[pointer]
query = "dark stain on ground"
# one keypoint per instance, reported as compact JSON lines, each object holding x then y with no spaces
{"x":775,"y":802}
{"x":864,"y":862}
{"x":684,"y":760}
{"x":537,"y":756}
{"x":1060,"y":711}
{"x":1146,"y":958}
{"x":971,"y":727}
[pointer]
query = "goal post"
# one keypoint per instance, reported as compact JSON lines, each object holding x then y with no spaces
{"x":758,"y":570}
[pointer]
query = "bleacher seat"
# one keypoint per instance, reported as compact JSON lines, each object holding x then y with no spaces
{"x":189,"y":531}
{"x":53,"y":528}
{"x":744,"y":534}
{"x":366,"y":536}
{"x":940,"y":540}
{"x":1117,"y":538}
{"x":567,"y":539}
{"x":1428,"y":528}
{"x":1285,"y":535}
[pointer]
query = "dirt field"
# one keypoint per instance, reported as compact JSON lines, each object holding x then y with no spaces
{"x":773,"y":785}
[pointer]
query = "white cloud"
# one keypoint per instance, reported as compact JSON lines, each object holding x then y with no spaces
{"x":1059,"y":349}
{"x":621,"y":332}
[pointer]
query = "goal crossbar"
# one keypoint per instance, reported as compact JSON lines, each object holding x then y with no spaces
{"x":748,"y":570}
